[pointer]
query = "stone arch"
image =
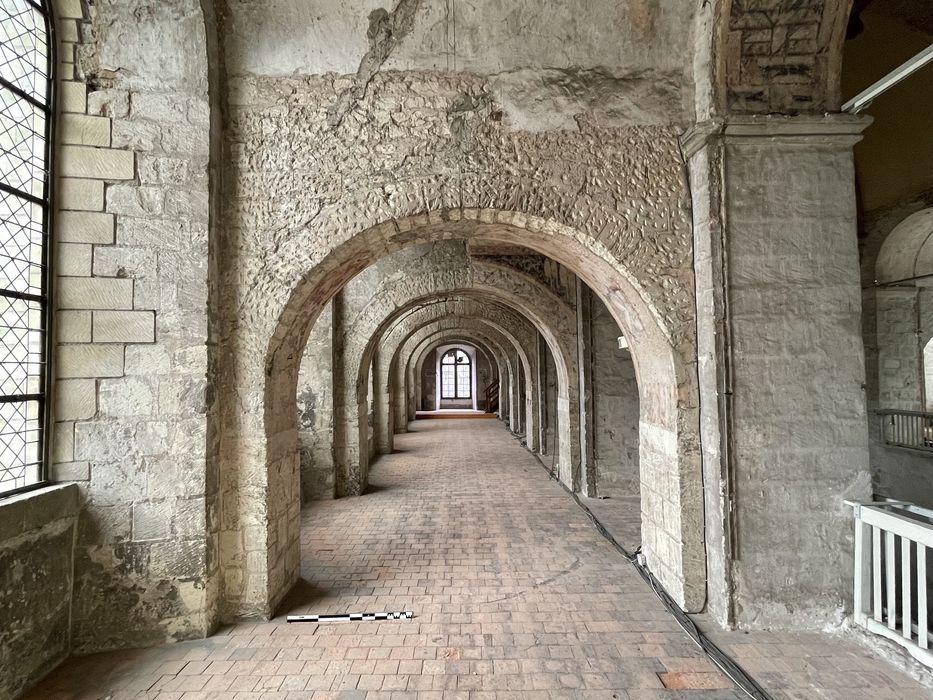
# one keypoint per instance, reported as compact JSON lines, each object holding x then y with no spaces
{"x":391,"y":391}
{"x":448,"y":314}
{"x":546,"y":311}
{"x":907,"y":251}
{"x":394,"y":341}
{"x":386,"y":388}
{"x":502,"y":314}
{"x":521,"y":361}
{"x":650,"y":298}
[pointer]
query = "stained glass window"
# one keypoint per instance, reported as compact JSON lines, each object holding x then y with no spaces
{"x":25,"y":113}
{"x":456,"y":375}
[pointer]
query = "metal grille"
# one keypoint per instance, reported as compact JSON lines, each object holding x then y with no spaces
{"x":25,"y":138}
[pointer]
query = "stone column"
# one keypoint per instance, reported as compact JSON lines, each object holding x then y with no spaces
{"x":781,"y":367}
{"x":539,"y":380}
{"x":585,"y":379}
{"x":900,"y":359}
{"x":315,"y":398}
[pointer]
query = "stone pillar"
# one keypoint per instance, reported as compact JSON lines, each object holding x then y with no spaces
{"x":615,"y":408}
{"x":382,"y":410}
{"x":781,"y":367}
{"x":900,"y":357}
{"x":517,"y":395}
{"x":346,"y":419}
{"x":585,"y":381}
{"x":315,"y":397}
{"x":539,"y":380}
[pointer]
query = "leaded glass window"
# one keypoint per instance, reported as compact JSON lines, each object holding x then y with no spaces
{"x":25,"y":123}
{"x":456,"y":375}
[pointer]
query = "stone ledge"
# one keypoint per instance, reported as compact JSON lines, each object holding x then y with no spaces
{"x":33,"y":510}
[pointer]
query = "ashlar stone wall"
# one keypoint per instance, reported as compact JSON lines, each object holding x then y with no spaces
{"x":130,"y":298}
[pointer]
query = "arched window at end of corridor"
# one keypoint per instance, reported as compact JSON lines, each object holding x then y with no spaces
{"x":26,"y":86}
{"x":456,"y":375}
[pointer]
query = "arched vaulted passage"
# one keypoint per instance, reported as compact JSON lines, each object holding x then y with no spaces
{"x":408,"y":335}
{"x":553,"y":319}
{"x":668,"y":425}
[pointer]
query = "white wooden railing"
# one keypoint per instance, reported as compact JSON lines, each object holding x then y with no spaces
{"x":893,"y":541}
{"x":911,"y":429}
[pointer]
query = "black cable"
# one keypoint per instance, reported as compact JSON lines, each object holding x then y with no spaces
{"x":723,"y":661}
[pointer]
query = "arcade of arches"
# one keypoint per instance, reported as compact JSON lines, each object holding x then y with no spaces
{"x":315,"y":264}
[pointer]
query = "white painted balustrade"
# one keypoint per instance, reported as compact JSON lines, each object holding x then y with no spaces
{"x":893,"y":542}
{"x":910,"y":429}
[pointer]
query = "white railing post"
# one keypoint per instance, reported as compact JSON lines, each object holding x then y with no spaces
{"x":878,"y":594}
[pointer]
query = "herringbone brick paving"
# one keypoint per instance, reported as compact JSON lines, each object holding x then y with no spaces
{"x":515,"y":595}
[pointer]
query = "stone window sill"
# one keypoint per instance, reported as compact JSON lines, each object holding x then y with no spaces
{"x":33,"y":510}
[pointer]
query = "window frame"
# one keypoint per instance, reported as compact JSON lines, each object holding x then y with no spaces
{"x":47,"y":203}
{"x":469,"y":364}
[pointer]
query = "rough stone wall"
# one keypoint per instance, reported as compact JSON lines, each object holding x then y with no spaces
{"x":37,"y":545}
{"x":615,"y":409}
{"x":131,"y":235}
{"x":551,"y":274}
{"x":316,"y":411}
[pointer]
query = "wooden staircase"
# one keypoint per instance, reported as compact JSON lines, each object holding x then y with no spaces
{"x":492,"y":396}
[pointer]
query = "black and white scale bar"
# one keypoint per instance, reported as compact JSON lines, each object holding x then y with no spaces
{"x":351,"y":617}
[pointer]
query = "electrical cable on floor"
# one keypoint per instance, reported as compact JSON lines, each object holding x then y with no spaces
{"x":723,"y":661}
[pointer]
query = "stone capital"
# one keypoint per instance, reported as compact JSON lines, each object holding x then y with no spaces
{"x":804,"y":130}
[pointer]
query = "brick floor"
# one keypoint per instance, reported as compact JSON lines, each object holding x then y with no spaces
{"x":515,"y":596}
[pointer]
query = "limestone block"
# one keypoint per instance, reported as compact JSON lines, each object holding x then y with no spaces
{"x":63,"y":439}
{"x":84,"y":227}
{"x":136,"y":135}
{"x":89,"y":360}
{"x":97,"y":163}
{"x":70,"y":471}
{"x":95,"y":293}
{"x":80,"y":194}
{"x":68,"y":9}
{"x":147,"y":359}
{"x":190,"y":517}
{"x":73,"y":97}
{"x":124,"y":327}
{"x":152,"y":520}
{"x":85,"y":130}
{"x":163,"y":108}
{"x":73,"y":326}
{"x":127,"y":396}
{"x":67,"y":35}
{"x":75,"y":399}
{"x":163,"y":170}
{"x":179,"y":559}
{"x":131,"y":200}
{"x":120,"y":261}
{"x":73,"y":259}
{"x":109,"y":103}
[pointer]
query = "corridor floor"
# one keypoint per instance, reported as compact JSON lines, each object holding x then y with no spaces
{"x":514,"y":593}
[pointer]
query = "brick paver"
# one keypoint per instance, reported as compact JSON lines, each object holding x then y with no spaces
{"x":515,"y":595}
